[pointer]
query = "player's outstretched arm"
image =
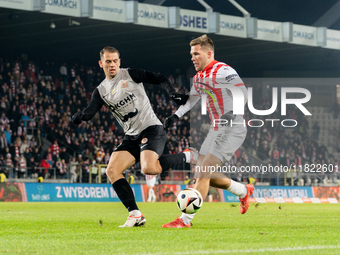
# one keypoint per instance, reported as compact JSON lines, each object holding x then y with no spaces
{"x":90,"y":111}
{"x":183,"y":109}
{"x":138,"y":76}
{"x":169,"y":121}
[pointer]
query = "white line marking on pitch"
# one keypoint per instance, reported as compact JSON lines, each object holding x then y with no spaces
{"x":314,"y":247}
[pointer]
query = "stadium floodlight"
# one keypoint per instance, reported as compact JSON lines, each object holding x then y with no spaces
{"x":73,"y":22}
{"x":207,"y":7}
{"x":52,"y":26}
{"x":240,"y":8}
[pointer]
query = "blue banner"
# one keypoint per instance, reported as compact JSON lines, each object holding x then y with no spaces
{"x":53,"y":192}
{"x":228,"y":197}
{"x":273,"y":192}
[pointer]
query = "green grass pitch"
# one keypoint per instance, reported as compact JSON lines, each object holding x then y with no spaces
{"x":218,"y":228}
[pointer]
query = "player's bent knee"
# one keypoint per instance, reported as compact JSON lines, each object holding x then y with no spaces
{"x":113,"y":174}
{"x":151,"y":170}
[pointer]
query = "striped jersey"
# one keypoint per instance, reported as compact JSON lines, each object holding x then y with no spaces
{"x":219,"y":100}
{"x":150,"y":177}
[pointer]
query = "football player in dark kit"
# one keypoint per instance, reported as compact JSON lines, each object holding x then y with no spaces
{"x":123,"y":93}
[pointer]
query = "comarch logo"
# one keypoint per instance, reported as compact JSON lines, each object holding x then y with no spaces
{"x":62,"y":3}
{"x":232,"y":25}
{"x":305,"y":35}
{"x":151,"y":15}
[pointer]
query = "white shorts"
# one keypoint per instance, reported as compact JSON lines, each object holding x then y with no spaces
{"x":224,"y":142}
{"x":150,"y":181}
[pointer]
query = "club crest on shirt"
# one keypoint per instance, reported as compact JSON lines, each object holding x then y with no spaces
{"x":144,"y":140}
{"x":123,"y":84}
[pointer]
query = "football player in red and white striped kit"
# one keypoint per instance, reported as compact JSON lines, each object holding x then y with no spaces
{"x":150,"y":182}
{"x":222,"y":140}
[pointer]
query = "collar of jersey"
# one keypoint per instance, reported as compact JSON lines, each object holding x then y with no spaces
{"x":114,"y":78}
{"x":208,"y":66}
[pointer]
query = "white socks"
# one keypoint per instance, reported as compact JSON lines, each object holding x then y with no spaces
{"x":135,"y":213}
{"x":187,"y":217}
{"x":151,"y":195}
{"x":237,"y":189}
{"x":187,"y":156}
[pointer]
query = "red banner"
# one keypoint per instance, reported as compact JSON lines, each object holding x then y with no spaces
{"x":163,"y":193}
{"x":13,"y":192}
{"x":327,"y":192}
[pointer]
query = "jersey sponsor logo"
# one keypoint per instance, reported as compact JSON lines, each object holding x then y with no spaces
{"x":121,"y":103}
{"x":123,"y":84}
{"x":231,"y":77}
{"x":144,"y":140}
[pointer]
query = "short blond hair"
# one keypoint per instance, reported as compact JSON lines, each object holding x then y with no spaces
{"x":204,"y":41}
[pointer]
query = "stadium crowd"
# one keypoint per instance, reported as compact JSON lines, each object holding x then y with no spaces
{"x":43,"y":98}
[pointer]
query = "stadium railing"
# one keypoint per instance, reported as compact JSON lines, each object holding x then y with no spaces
{"x":12,"y":173}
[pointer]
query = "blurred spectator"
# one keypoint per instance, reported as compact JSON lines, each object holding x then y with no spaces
{"x":251,"y":179}
{"x":187,"y":180}
{"x":73,"y":170}
{"x":31,"y":167}
{"x":88,"y":155}
{"x":3,"y":142}
{"x":107,"y":158}
{"x":39,"y":139}
{"x":27,"y":154}
{"x":8,"y":134}
{"x":48,"y":156}
{"x":23,"y":147}
{"x":335,"y":109}
{"x":55,"y":150}
{"x":275,"y":156}
{"x":316,"y":130}
{"x":100,"y":154}
{"x":45,"y":165}
{"x":23,"y":166}
{"x":9,"y":162}
{"x":61,"y":168}
{"x":85,"y":171}
{"x":64,"y":155}
{"x":130,"y":178}
{"x":63,"y":72}
{"x":25,"y":119}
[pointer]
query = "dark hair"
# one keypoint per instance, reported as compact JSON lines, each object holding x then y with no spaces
{"x":108,"y":49}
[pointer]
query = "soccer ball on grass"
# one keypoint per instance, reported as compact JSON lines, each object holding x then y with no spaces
{"x":189,"y":200}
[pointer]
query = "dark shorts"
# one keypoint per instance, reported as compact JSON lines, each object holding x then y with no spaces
{"x":152,"y":138}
